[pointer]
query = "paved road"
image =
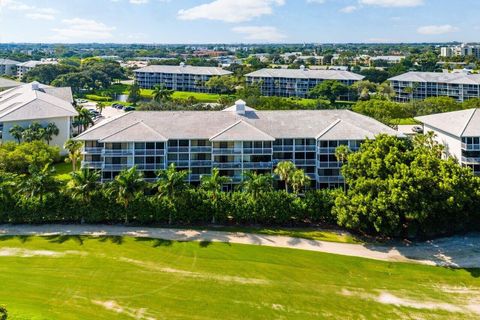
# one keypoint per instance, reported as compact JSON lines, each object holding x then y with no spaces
{"x":460,"y":251}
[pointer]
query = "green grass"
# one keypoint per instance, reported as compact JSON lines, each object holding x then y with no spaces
{"x":128,"y":278}
{"x":62,"y":171}
{"x":405,"y":121}
{"x":304,"y":233}
{"x":201,"y":97}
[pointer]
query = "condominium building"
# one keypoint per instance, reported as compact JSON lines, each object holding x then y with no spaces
{"x":461,"y":51}
{"x":24,"y":67}
{"x":234,"y":140}
{"x":35,"y":102}
{"x":8,"y":67}
{"x":297,"y":82}
{"x":459,"y":132}
{"x":179,"y":78}
{"x":420,"y":85}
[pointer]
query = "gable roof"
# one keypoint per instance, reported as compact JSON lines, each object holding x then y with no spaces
{"x":137,"y":132}
{"x":440,"y":77}
{"x":346,"y":130}
{"x":305,"y":74}
{"x":26,"y":103}
{"x":242,"y":130}
{"x":7,"y":83}
{"x":186,"y":69}
{"x":463,"y":123}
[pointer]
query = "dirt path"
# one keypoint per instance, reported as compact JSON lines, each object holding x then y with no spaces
{"x":460,"y":251}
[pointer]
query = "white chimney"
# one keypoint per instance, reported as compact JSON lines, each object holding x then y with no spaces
{"x":302,"y":67}
{"x":240,"y":107}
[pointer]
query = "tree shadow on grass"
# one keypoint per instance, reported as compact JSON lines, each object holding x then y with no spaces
{"x":156,"y":242}
{"x":21,"y":238}
{"x":113,"y":239}
{"x":62,"y":238}
{"x":204,"y":243}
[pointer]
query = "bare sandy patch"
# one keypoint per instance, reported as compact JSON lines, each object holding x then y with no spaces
{"x":191,"y":274}
{"x":112,"y":305}
{"x":26,"y":253}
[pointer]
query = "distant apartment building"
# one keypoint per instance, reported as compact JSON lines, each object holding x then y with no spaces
{"x":234,"y":140}
{"x":179,"y":78}
{"x":35,"y":102}
{"x":420,"y":85}
{"x":297,"y":82}
{"x":459,"y":132}
{"x":385,"y":60}
{"x":8,"y":67}
{"x":24,"y":67}
{"x":461,"y":50}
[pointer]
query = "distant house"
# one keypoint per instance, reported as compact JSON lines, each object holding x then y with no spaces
{"x":8,"y":67}
{"x":179,"y":78}
{"x":459,"y":132}
{"x":297,"y":82}
{"x":34,"y":102}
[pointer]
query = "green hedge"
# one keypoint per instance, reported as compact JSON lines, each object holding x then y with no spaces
{"x":94,"y":97}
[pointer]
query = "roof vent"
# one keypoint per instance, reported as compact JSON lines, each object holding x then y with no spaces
{"x":35,"y":85}
{"x":240,"y":107}
{"x":302,"y":67}
{"x":182,"y":64}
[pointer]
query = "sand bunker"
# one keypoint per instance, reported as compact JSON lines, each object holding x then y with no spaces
{"x":26,"y":253}
{"x":111,"y":305}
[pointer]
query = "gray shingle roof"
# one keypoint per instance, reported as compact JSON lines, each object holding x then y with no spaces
{"x":210,"y":71}
{"x":25,"y":103}
{"x":7,"y":83}
{"x":254,"y":125}
{"x":305,"y":74}
{"x":463,"y":123}
{"x":441,"y":77}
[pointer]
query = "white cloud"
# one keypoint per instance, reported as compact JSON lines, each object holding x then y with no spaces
{"x":260,"y":33}
{"x":436,"y":30}
{"x":348,"y":9}
{"x":138,"y":1}
{"x":392,"y":3}
{"x":40,"y":16}
{"x":78,"y":29}
{"x":316,"y":1}
{"x":230,"y":10}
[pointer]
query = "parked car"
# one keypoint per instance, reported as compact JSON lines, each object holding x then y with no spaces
{"x":417,"y":129}
{"x":129,"y":108}
{"x":117,"y":106}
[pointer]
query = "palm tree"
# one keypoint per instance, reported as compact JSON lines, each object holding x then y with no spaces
{"x":50,"y":130}
{"x":74,"y":152}
{"x":39,"y":182}
{"x":100,"y":106}
{"x":255,"y":183}
{"x":171,"y":183}
{"x":298,"y":180}
{"x":84,"y":119}
{"x":16,"y":131}
{"x":161,"y":93}
{"x":127,"y":186}
{"x":284,"y":171}
{"x":342,"y":152}
{"x":213,"y":184}
{"x":7,"y":183}
{"x":33,"y":132}
{"x":83,"y":183}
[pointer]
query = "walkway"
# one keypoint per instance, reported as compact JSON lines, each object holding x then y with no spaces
{"x":460,"y":251}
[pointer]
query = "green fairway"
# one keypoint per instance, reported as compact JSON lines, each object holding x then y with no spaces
{"x":62,"y":277}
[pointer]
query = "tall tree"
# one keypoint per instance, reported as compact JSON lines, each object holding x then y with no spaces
{"x":74,"y":152}
{"x":284,"y":171}
{"x":39,"y":182}
{"x":16,"y":132}
{"x":134,"y":94}
{"x":50,"y":130}
{"x":161,"y":93}
{"x":171,"y":184}
{"x":329,"y":89}
{"x":84,"y":183}
{"x":255,"y":183}
{"x":299,"y":180}
{"x":213,"y":184}
{"x":127,"y":186}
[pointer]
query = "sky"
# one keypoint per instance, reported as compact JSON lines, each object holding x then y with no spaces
{"x":239,"y":21}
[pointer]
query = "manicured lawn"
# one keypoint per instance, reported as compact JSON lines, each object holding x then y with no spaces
{"x":405,"y":121}
{"x":63,"y":170}
{"x":63,"y":277}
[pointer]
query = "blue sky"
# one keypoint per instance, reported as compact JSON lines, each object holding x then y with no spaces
{"x":235,"y":21}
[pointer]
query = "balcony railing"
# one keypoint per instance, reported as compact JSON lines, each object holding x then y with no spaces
{"x":282,"y":148}
{"x":471,"y":160}
{"x":180,"y":163}
{"x":116,"y":167}
{"x":258,"y":165}
{"x":197,"y":177}
{"x":92,"y":150}
{"x":118,"y":152}
{"x":149,"y":152}
{"x":469,"y":146}
{"x":322,"y":164}
{"x":178,"y":149}
{"x":305,"y":162}
{"x":92,"y":164}
{"x":305,"y":147}
{"x":201,"y":149}
{"x":226,"y":151}
{"x":150,"y":166}
{"x":257,"y":150}
{"x":201,"y":163}
{"x":228,"y":165}
{"x":333,"y":179}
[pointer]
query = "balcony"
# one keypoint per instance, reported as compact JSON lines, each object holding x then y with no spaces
{"x":257,"y":165}
{"x":118,"y":152}
{"x":116,"y":167}
{"x":257,"y":151}
{"x":469,"y":146}
{"x":282,"y":148}
{"x":333,"y":179}
{"x":305,"y":162}
{"x":226,"y":151}
{"x":197,"y":177}
{"x":149,"y":152}
{"x":322,"y":164}
{"x":305,"y":148}
{"x":178,"y":149}
{"x":92,"y":164}
{"x":150,"y":166}
{"x":471,"y":160}
{"x":92,"y":150}
{"x":200,"y":163}
{"x":228,"y":165}
{"x":179,"y":163}
{"x":201,"y":149}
